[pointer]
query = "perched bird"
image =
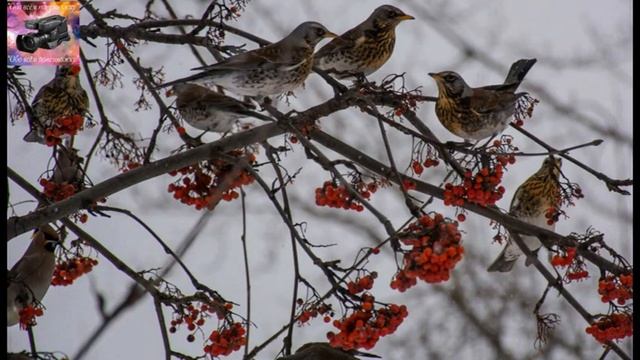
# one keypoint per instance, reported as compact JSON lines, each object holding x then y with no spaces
{"x":208,"y":110}
{"x":324,"y":351}
{"x":478,"y":113}
{"x":61,"y":97}
{"x":270,"y":70}
{"x":532,"y":200}
{"x":67,"y":167}
{"x":30,"y":277}
{"x":365,"y":48}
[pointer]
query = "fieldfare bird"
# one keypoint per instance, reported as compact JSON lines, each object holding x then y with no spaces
{"x":478,"y":113}
{"x":270,"y":70}
{"x":365,"y":48}
{"x":208,"y":110}
{"x":324,"y":351}
{"x":29,"y":278}
{"x":61,"y":97}
{"x":531,"y":202}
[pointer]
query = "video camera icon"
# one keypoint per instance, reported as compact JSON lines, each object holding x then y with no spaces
{"x":51,"y":32}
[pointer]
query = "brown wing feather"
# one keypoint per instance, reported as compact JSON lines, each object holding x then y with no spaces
{"x":344,"y":41}
{"x":488,"y":101}
{"x":263,"y":57}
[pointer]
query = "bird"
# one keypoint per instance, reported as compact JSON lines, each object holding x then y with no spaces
{"x":63,"y":96}
{"x":30,"y":277}
{"x":530,"y":203}
{"x":482,"y":112}
{"x":67,"y":167}
{"x":271,"y":70}
{"x":364,"y":48}
{"x":207,"y":110}
{"x":324,"y":351}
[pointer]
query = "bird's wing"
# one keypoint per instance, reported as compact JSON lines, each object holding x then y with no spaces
{"x":48,"y":91}
{"x":27,"y":266}
{"x":347,"y":40}
{"x":490,"y":100}
{"x":224,"y":103}
{"x":265,"y":57}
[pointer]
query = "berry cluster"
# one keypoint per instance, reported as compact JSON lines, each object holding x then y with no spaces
{"x":225,"y":340}
{"x":418,"y":167}
{"x":362,"y":283}
{"x":308,"y":314}
{"x":552,"y":215}
{"x":57,"y":192}
{"x":28,"y":316}
{"x":366,"y":324}
{"x":194,"y":317}
{"x":481,"y":188}
{"x":619,"y":289}
{"x":611,"y":327}
{"x":200,"y":184}
{"x":66,"y":272}
{"x":435,"y":251}
{"x":337,"y":196}
{"x":576,"y":269}
{"x":68,"y":125}
{"x":564,"y":260}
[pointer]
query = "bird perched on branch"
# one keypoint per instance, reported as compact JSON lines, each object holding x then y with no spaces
{"x":478,"y":113}
{"x":63,"y":97}
{"x":365,"y":48}
{"x":324,"y":351}
{"x":30,"y":277}
{"x":270,"y":70}
{"x":534,"y":199}
{"x":208,"y":110}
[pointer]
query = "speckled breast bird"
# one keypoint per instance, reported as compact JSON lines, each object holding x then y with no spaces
{"x":30,"y":277}
{"x":208,"y":110}
{"x":540,"y":192}
{"x":365,"y":48}
{"x":270,"y":70}
{"x":478,"y":113}
{"x":61,"y":97}
{"x":324,"y":351}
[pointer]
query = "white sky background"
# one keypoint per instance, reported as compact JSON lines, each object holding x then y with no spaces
{"x":549,"y":30}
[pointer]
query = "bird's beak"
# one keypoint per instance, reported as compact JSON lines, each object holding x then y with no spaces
{"x":405,"y":17}
{"x":434,"y":75}
{"x":329,"y":34}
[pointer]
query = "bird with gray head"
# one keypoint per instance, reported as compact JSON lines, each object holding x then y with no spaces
{"x":324,"y":351}
{"x":207,"y":110}
{"x":271,"y":70}
{"x":364,"y":48}
{"x":481,"y":112}
{"x":531,"y":202}
{"x":30,"y":277}
{"x":63,"y":96}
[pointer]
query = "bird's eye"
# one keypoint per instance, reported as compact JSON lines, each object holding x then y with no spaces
{"x":450,"y":78}
{"x":319,"y":32}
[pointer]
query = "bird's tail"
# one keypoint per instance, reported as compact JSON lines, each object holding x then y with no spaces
{"x":33,"y":136}
{"x":501,"y":263}
{"x":519,"y":70}
{"x":192,"y":78}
